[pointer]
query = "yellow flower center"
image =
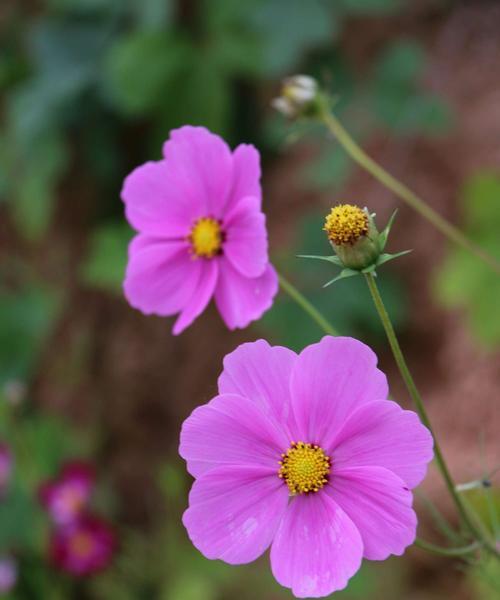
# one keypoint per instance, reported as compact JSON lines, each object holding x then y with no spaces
{"x":206,"y":237}
{"x":346,"y":224}
{"x":304,"y":468}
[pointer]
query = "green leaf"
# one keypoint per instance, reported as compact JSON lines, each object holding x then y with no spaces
{"x":344,"y":274}
{"x":66,"y":60}
{"x":288,"y":28}
{"x":26,"y":318}
{"x":369,"y":7}
{"x":397,"y":100}
{"x":464,"y":282}
{"x":387,"y":229}
{"x":333,"y":259}
{"x":330,"y":169}
{"x":33,"y":191}
{"x":203,"y":97}
{"x":140,"y":70}
{"x":104,"y":267}
{"x":383,"y":258}
{"x":18,"y":519}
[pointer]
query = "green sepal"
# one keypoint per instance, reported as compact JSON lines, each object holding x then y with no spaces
{"x":331,"y":258}
{"x":343,"y":275}
{"x":383,"y":258}
{"x":384,"y":234}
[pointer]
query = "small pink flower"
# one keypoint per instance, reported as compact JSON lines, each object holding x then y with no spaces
{"x":6,"y":462}
{"x":67,"y":497}
{"x":201,"y":232}
{"x":83,"y":547}
{"x":304,"y":454}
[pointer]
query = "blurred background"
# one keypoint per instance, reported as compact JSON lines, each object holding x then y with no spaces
{"x":89,"y":89}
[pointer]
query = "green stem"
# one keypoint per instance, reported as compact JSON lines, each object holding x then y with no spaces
{"x":463,"y":551}
{"x":304,"y":303}
{"x":419,"y":405}
{"x":440,"y":521}
{"x":396,"y":186}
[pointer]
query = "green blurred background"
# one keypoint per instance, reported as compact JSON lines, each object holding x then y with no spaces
{"x":89,"y":90}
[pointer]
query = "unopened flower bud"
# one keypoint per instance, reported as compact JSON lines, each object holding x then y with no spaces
{"x":298,"y":96}
{"x":353,"y":236}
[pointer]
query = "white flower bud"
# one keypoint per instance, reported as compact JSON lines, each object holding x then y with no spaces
{"x":298,"y":94}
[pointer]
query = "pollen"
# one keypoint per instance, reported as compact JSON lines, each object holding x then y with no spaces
{"x":206,"y":237}
{"x":346,"y":224}
{"x":305,"y":468}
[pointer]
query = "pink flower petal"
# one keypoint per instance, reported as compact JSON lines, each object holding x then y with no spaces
{"x":234,"y":512}
{"x":246,"y":175}
{"x":203,"y":163}
{"x":246,"y":237}
{"x":155,"y":204}
{"x":240,"y":299}
{"x":317,"y":547}
{"x":379,"y":503}
{"x":329,"y":381}
{"x":201,"y":296}
{"x":261,"y":373}
{"x":161,"y":276}
{"x":383,"y":434}
{"x":231,"y":430}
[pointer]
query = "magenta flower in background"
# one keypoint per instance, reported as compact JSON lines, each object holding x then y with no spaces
{"x":83,"y":547}
{"x":66,"y":497}
{"x":6,"y":463}
{"x":201,"y":232}
{"x":8,"y":574}
{"x":303,"y":454}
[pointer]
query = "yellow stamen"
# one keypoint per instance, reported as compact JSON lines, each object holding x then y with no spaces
{"x":206,"y":237}
{"x":304,"y":468}
{"x":346,"y":224}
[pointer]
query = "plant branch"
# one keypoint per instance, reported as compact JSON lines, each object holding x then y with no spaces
{"x":419,"y":405}
{"x":306,"y":306}
{"x":402,"y":191}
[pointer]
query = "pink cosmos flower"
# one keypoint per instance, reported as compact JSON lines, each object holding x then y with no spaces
{"x":201,"y":232}
{"x":66,"y":497}
{"x":304,"y":454}
{"x":83,"y":547}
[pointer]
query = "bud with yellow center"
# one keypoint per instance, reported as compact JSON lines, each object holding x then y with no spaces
{"x":353,"y":236}
{"x":358,"y":246}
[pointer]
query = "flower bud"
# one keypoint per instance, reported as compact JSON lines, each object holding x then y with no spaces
{"x":298,"y":96}
{"x":353,"y":236}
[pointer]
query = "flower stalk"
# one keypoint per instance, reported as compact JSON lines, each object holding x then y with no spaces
{"x":458,"y":552}
{"x":400,"y":189}
{"x":306,"y":306}
{"x":419,"y":405}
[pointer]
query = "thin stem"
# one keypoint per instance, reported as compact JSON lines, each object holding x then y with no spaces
{"x":462,"y":551}
{"x":304,"y":303}
{"x":401,"y":190}
{"x":419,"y":405}
{"x":439,"y":519}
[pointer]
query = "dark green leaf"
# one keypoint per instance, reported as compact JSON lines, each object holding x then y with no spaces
{"x":107,"y":257}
